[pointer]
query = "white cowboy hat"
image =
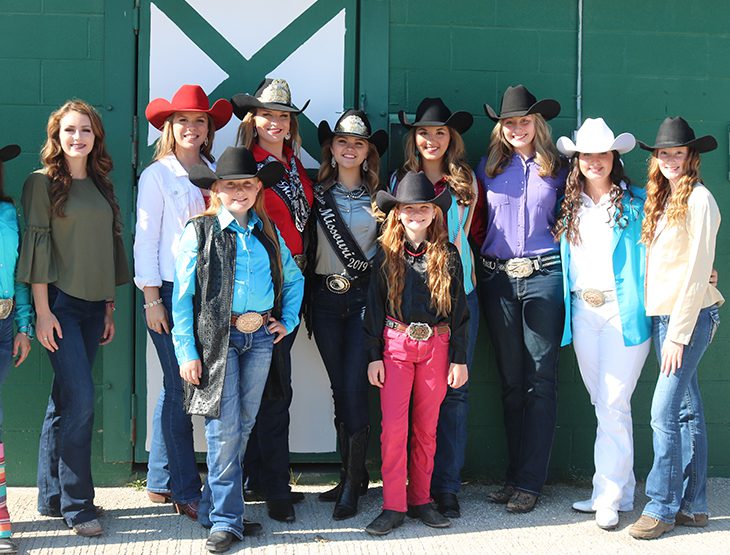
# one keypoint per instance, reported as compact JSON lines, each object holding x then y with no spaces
{"x":595,"y":136}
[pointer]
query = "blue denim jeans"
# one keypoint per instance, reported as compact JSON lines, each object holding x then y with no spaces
{"x":337,"y":324}
{"x":6,"y":358}
{"x":525,"y":319}
{"x":65,"y":485}
{"x":266,"y":463}
{"x":158,"y":471}
{"x":678,"y":477}
{"x":174,"y":422}
{"x":451,"y":433}
{"x":247,"y":367}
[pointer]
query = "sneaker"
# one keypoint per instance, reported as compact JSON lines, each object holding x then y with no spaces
{"x":584,"y":506}
{"x":521,"y":502}
{"x":696,"y":520}
{"x":89,"y":528}
{"x":428,"y":514}
{"x":607,"y":519}
{"x":649,"y":528}
{"x":502,"y":495}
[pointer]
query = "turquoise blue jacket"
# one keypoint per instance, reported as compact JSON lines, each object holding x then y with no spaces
{"x":629,"y":268}
{"x":9,"y":288}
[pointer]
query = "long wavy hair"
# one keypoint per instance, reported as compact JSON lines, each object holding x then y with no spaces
{"x":453,"y":165}
{"x":260,"y":209}
{"x":98,"y":163}
{"x":3,"y":196}
{"x":392,"y":241}
{"x":500,"y":151}
{"x":660,"y":198}
{"x":246,"y":135}
{"x":370,"y":178}
{"x":568,"y":220}
{"x":165,"y":144}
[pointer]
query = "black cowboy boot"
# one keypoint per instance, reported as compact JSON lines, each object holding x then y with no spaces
{"x":331,"y":495}
{"x":356,"y":476}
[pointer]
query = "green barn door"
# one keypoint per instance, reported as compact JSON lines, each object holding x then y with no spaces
{"x":227,"y":47}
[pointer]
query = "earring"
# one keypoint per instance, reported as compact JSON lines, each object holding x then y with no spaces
{"x":365,"y":166}
{"x":206,"y":141}
{"x":287,"y":136}
{"x":333,"y":163}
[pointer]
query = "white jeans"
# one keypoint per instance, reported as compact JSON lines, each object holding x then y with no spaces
{"x":610,"y":371}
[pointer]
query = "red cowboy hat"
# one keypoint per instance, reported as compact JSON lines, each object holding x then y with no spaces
{"x":188,"y":98}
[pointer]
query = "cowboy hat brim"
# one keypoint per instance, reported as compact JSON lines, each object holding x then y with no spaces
{"x":385,"y":201}
{"x":9,"y":152}
{"x":700,"y":144}
{"x":622,"y":144}
{"x":159,"y":109}
{"x":547,"y":108}
{"x":379,"y":139}
{"x":244,"y":103}
{"x":203,"y":177}
{"x":458,"y":121}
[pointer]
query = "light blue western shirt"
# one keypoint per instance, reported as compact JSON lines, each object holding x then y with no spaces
{"x":9,"y":287}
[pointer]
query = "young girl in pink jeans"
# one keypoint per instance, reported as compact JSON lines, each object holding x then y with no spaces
{"x":416,"y":328}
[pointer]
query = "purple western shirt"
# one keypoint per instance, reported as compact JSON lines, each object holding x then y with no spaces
{"x":521,"y":209}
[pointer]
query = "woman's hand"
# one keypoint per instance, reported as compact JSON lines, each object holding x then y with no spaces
{"x":276,"y":327}
{"x":157,"y":318}
{"x":21,"y":348}
{"x":46,"y":325}
{"x":458,"y":375}
{"x":109,"y":328}
{"x":671,"y":357}
{"x":714,"y":277}
{"x":376,"y":373}
{"x":191,"y":371}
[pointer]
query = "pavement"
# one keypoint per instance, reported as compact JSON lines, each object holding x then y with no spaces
{"x":134,"y":525}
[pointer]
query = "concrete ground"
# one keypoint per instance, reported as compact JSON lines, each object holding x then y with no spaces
{"x":133,"y":525}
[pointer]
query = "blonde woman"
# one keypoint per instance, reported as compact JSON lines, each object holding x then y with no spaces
{"x":165,"y":202}
{"x":434,"y":146}
{"x":679,"y":230}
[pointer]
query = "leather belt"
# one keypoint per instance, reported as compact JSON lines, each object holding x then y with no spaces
{"x":249,"y":322}
{"x":339,"y":283}
{"x":6,"y":308}
{"x":417,"y":331}
{"x":595,"y":297}
{"x":521,"y":267}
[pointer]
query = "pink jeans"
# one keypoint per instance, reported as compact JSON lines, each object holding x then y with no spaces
{"x":417,"y":370}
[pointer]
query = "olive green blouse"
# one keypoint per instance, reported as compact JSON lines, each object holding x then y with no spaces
{"x":78,"y":253}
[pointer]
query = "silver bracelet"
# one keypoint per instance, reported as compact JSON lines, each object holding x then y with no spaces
{"x":152,"y":303}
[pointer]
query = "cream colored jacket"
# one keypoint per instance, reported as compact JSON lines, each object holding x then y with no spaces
{"x":678,"y":266}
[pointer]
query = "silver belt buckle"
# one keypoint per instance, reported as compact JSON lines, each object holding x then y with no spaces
{"x":593,"y":297}
{"x":6,"y":307}
{"x":519,"y":267}
{"x":418,"y":331}
{"x":249,"y":322}
{"x":337,"y":284}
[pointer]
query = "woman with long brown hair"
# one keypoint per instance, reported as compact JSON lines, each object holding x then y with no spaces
{"x":71,"y":211}
{"x":343,"y":244}
{"x":434,"y":146}
{"x":165,"y":202}
{"x":679,"y":231}
{"x":416,"y":335}
{"x":269,"y":128}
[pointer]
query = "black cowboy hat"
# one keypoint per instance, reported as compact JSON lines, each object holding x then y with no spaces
{"x":354,"y":123}
{"x":518,"y":101}
{"x":414,"y":188}
{"x":236,"y":162}
{"x":432,"y":112}
{"x":9,"y":152}
{"x":273,"y":94}
{"x":674,"y":132}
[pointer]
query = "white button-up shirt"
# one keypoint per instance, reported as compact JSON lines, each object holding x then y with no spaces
{"x":166,"y":200}
{"x":591,"y":266}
